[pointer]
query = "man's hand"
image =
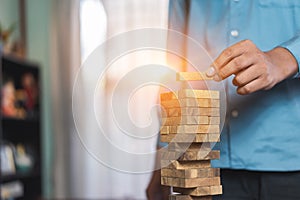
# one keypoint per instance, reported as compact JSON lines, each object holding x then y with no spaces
{"x":253,"y":69}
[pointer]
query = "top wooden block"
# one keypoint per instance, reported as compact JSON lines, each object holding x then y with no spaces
{"x":189,"y":93}
{"x":192,"y":76}
{"x":205,"y":94}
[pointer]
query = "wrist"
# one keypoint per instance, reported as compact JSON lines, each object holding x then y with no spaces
{"x":284,"y":61}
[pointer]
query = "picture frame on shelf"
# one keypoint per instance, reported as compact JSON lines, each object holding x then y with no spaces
{"x":8,"y":166}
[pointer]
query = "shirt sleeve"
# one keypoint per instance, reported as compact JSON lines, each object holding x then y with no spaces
{"x":293,"y":45}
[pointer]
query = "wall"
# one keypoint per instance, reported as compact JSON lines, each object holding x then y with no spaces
{"x":38,"y":48}
{"x":38,"y":23}
{"x":9,"y":14}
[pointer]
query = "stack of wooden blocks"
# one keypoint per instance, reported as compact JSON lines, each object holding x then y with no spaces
{"x":190,"y":124}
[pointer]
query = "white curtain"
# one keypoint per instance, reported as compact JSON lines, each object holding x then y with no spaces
{"x":123,"y":16}
{"x":65,"y":59}
{"x":77,"y":172}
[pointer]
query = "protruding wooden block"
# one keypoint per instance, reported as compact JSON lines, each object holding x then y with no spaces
{"x":190,"y":182}
{"x":190,"y":155}
{"x":175,"y":146}
{"x":192,"y":76}
{"x":186,"y":129}
{"x":191,"y":102}
{"x":200,"y":191}
{"x":174,"y":164}
{"x":205,"y":94}
{"x":180,"y":137}
{"x":188,"y":197}
{"x":191,"y":173}
{"x":200,"y":155}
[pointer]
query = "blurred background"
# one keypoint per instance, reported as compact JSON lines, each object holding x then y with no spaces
{"x":43,"y":45}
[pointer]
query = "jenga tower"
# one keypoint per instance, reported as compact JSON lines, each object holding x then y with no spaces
{"x":190,"y":124}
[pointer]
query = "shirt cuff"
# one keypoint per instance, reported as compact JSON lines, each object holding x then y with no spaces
{"x":293,"y":45}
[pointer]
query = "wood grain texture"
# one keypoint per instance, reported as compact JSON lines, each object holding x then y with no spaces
{"x":172,"y":121}
{"x":188,"y":197}
{"x":190,"y":182}
{"x":205,"y":94}
{"x":190,"y":111}
{"x":174,"y":164}
{"x":191,"y":102}
{"x":186,"y":129}
{"x":200,"y":191}
{"x":190,"y":120}
{"x":190,"y":155}
{"x":190,"y":93}
{"x":192,"y":76}
{"x":175,"y":146}
{"x":184,"y":138}
{"x":191,"y":173}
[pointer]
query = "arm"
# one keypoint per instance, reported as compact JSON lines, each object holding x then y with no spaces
{"x":254,"y":69}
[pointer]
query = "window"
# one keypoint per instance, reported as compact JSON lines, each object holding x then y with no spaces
{"x":93,"y":23}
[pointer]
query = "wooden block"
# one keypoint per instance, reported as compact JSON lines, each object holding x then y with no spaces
{"x":169,"y":121}
{"x":176,"y":112}
{"x":195,"y":129}
{"x":200,"y":155}
{"x":191,"y":173}
{"x":189,"y":120}
{"x":205,"y":94}
{"x":216,"y":189}
{"x":190,"y":182}
{"x":188,"y":197}
{"x":200,"y":191}
{"x":184,"y":138}
{"x":168,"y":96}
{"x":192,"y":76}
{"x":213,"y":120}
{"x":190,"y":93}
{"x":174,"y":164}
{"x":214,"y":137}
{"x":191,"y":102}
{"x":175,"y":146}
{"x":164,"y":130}
{"x":186,"y":129}
{"x":190,"y":155}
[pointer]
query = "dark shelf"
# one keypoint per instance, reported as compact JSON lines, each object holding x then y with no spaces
{"x":20,"y":121}
{"x":19,"y":131}
{"x":20,"y":176}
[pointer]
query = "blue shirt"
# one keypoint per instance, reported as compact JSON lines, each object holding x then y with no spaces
{"x":263,"y":132}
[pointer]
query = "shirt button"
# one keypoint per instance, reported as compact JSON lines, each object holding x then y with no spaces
{"x":234,"y":113}
{"x":234,"y":33}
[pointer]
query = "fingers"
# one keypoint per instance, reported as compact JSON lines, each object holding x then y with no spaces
{"x":228,"y":54}
{"x":246,"y":76}
{"x":252,"y":86}
{"x":251,"y":80}
{"x":235,"y":66}
{"x":232,"y":60}
{"x":253,"y":69}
